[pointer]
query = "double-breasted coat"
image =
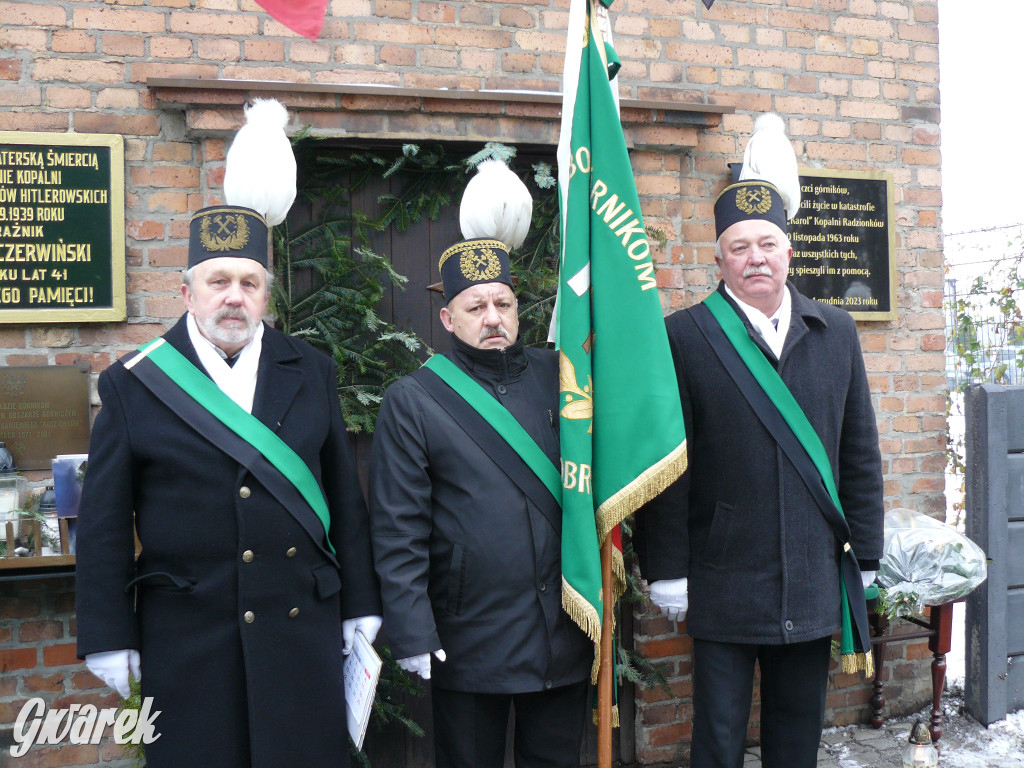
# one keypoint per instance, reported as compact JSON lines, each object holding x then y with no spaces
{"x":467,"y":561}
{"x":761,"y":561}
{"x":235,"y":603}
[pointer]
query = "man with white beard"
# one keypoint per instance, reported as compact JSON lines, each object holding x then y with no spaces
{"x":222,"y":446}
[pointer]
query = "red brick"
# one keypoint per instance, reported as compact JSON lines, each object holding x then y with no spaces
{"x":10,"y":69}
{"x":219,"y":49}
{"x":59,"y":655}
{"x":393,"y":9}
{"x":171,"y":48}
{"x":124,"y":45}
{"x":19,"y":607}
{"x":143,"y":71}
{"x":219,"y":24}
{"x":95,"y":363}
{"x":78,"y":71}
{"x":154,"y":282}
{"x":669,"y":734}
{"x":45,"y":683}
{"x":165,"y":176}
{"x":164,"y":306}
{"x":437,"y":13}
{"x":18,"y":658}
{"x":398,"y":55}
{"x":126,"y":125}
{"x":144,"y":230}
{"x":33,"y":631}
{"x":33,"y":15}
{"x":73,"y":41}
{"x":406,"y":34}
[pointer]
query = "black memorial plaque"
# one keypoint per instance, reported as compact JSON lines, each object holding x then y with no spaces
{"x":44,"y":411}
{"x":843,"y":242}
{"x":61,"y":227}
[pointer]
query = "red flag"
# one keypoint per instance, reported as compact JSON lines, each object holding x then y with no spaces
{"x":303,"y":16}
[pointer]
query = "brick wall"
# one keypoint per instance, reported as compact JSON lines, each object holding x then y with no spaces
{"x":855,"y":80}
{"x":37,"y":660}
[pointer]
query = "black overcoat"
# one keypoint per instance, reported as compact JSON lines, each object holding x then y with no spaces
{"x":217,"y":546}
{"x":761,"y":561}
{"x":467,"y":561}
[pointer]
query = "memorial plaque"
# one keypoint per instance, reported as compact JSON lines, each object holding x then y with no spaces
{"x":44,"y":412}
{"x":844,"y":242}
{"x":61,"y":227}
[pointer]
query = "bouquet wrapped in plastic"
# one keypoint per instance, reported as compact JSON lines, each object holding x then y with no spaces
{"x":926,"y":562}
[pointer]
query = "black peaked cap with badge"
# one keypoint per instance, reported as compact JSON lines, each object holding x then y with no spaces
{"x":471,"y":262}
{"x":227,"y":230}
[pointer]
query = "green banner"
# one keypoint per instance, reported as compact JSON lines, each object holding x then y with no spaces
{"x":622,"y":434}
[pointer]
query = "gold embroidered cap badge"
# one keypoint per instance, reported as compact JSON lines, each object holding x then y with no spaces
{"x":754,"y":200}
{"x":480,"y":265}
{"x":223,"y":232}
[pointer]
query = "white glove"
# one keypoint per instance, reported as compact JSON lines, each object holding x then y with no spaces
{"x":112,"y":668}
{"x":867,"y":578}
{"x":368,"y":625}
{"x":670,"y":596}
{"x":421,"y":664}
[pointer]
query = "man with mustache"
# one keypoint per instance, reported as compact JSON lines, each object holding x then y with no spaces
{"x":222,"y":445}
{"x":741,"y":547}
{"x":467,"y":539}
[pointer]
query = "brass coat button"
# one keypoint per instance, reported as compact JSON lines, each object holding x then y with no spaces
{"x":249,"y":617}
{"x":248,"y":555}
{"x":244,"y":492}
{"x":291,"y":552}
{"x":293,"y":612}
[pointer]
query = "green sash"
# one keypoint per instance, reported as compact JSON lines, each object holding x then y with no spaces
{"x":503,"y":422}
{"x":207,"y":394}
{"x":853,"y":625}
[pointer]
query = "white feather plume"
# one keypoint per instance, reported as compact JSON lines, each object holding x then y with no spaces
{"x":496,"y":204}
{"x":769,"y":156}
{"x":260,"y":166}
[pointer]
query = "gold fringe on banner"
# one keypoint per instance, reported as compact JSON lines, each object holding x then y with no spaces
{"x":615,"y":716}
{"x":851,"y":663}
{"x":649,"y":484}
{"x":586,"y":618}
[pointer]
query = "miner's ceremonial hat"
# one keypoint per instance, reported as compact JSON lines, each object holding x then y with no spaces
{"x":471,"y":262}
{"x":745,"y":200}
{"x":227,"y":230}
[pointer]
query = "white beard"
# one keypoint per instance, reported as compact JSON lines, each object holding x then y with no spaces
{"x":212,"y":329}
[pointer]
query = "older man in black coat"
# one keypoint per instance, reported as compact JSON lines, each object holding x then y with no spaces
{"x":467,"y":540}
{"x":739,"y":547}
{"x":246,"y":590}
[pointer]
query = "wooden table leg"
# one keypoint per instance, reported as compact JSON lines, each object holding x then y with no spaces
{"x":878,"y":627}
{"x":941,"y":622}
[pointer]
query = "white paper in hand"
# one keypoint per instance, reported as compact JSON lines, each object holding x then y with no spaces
{"x":362,"y":671}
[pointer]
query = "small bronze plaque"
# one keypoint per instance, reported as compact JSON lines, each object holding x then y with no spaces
{"x":44,"y":412}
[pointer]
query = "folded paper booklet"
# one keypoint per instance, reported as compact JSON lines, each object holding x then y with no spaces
{"x":362,"y":671}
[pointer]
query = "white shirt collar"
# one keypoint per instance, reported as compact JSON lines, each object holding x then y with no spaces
{"x":774,"y":338}
{"x":238,"y":381}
